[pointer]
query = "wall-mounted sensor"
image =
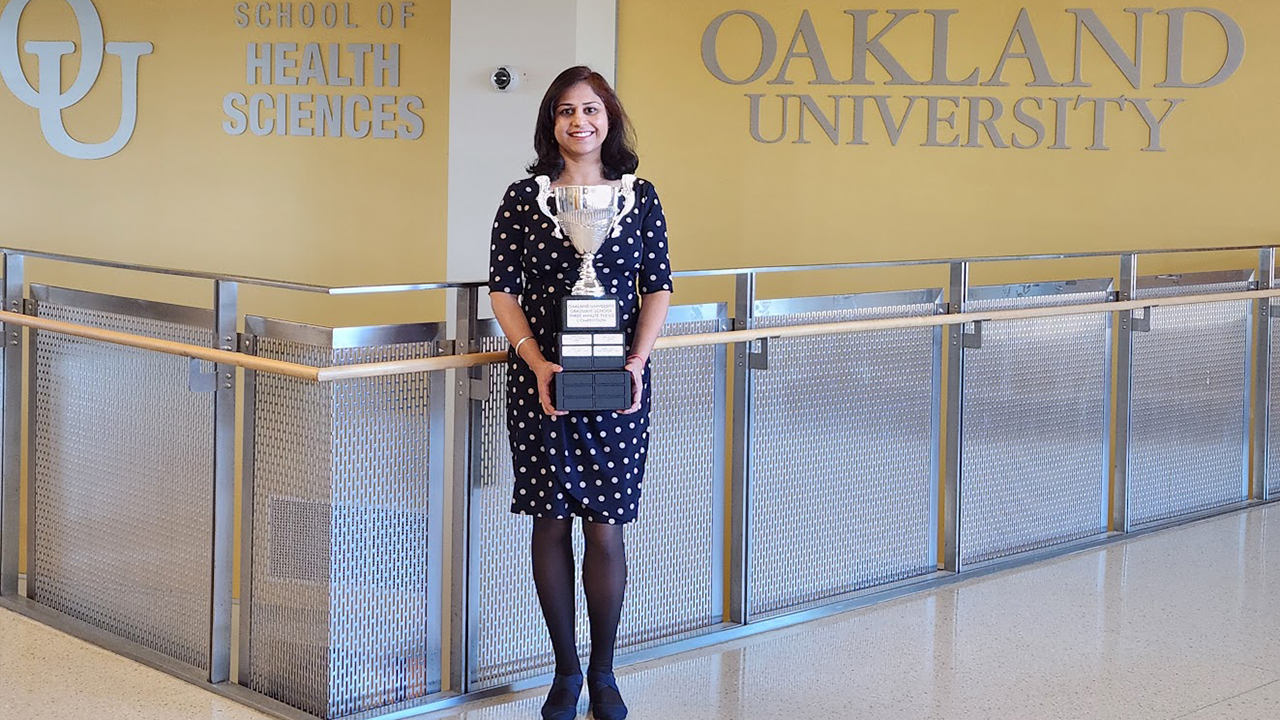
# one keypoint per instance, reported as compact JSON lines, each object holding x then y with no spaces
{"x":505,"y":78}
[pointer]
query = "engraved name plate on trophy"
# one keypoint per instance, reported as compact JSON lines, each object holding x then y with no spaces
{"x":592,"y":351}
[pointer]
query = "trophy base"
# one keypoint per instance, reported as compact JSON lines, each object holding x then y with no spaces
{"x":608,"y":390}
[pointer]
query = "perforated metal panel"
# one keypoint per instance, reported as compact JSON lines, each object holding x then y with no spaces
{"x":843,"y":452}
{"x":1188,"y":433}
{"x":1273,"y":409}
{"x":1034,"y":449}
{"x":122,"y":477}
{"x":344,"y":610}
{"x":675,"y":563}
{"x":673,"y":550}
{"x":509,"y":639}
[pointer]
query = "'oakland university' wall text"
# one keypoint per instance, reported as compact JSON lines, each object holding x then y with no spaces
{"x":952,"y":118}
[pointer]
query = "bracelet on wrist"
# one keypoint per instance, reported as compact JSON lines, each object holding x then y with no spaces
{"x":634,"y":356}
{"x":522,"y":341}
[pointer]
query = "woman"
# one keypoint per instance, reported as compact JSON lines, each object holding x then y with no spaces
{"x":584,"y":464}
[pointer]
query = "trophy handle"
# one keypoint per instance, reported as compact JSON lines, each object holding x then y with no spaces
{"x":628,"y":202}
{"x":544,"y":195}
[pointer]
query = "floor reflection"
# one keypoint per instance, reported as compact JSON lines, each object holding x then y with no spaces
{"x":1177,"y":624}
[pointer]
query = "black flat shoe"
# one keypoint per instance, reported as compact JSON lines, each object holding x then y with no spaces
{"x":562,"y":699}
{"x":606,"y":701}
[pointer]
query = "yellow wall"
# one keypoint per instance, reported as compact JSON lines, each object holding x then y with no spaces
{"x":733,"y":201}
{"x":185,"y":193}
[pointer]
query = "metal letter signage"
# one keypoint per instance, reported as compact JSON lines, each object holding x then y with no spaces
{"x":844,"y":117}
{"x":49,"y":99}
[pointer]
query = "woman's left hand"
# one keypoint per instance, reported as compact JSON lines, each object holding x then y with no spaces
{"x":636,"y":365}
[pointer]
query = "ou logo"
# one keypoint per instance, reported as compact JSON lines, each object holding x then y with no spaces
{"x":49,"y":99}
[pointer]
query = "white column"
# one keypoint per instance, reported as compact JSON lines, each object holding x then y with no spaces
{"x":491,"y":132}
{"x":597,"y":41}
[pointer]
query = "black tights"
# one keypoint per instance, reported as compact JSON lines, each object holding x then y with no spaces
{"x":604,"y":578}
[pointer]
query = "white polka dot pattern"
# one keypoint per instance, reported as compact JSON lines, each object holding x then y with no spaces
{"x":672,"y":588}
{"x":588,"y":465}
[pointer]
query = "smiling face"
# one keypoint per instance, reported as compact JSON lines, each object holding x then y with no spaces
{"x":581,"y":123}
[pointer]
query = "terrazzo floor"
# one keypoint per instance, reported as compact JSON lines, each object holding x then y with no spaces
{"x":1182,"y":624}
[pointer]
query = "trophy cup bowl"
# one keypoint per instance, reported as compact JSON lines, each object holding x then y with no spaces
{"x":586,"y":214}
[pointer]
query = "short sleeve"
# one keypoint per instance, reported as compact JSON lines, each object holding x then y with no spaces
{"x":505,"y":254}
{"x":655,"y":263}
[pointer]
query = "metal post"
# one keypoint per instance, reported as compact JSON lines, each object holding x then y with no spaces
{"x":1124,"y":389}
{"x":935,"y":449}
{"x":438,"y":399}
{"x":32,"y":396}
{"x":1260,"y":489}
{"x":224,"y":475}
{"x":244,"y":664}
{"x":11,"y":470}
{"x":957,"y":295}
{"x":740,"y":480}
{"x":719,"y":462}
{"x":464,"y":615}
{"x":1246,"y":477}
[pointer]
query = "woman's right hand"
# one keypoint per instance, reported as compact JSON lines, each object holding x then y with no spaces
{"x":545,"y":370}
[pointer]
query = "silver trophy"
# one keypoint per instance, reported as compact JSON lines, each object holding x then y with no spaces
{"x":592,"y":349}
{"x":587,"y":215}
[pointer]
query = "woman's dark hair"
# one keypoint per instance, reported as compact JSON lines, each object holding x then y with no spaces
{"x":617,"y":154}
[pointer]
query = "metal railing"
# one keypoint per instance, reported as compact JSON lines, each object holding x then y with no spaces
{"x":799,"y":465}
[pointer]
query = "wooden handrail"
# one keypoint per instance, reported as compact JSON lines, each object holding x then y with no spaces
{"x":346,"y":372}
{"x":226,"y":357}
{"x":400,"y":367}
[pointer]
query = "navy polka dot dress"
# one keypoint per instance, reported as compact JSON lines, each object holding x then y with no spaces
{"x":589,"y":464}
